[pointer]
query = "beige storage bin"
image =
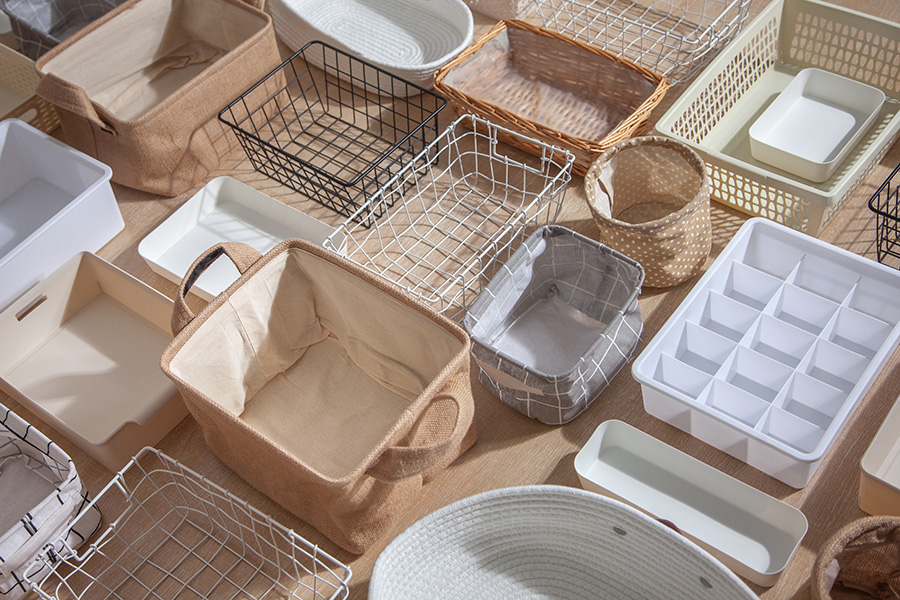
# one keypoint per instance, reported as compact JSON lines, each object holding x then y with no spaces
{"x":18,"y":82}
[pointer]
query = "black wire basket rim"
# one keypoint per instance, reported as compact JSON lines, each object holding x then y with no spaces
{"x":873,"y":201}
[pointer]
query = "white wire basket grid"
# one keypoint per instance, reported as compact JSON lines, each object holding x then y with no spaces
{"x":456,"y":213}
{"x":336,"y":128}
{"x":673,"y":38}
{"x":173,"y":534}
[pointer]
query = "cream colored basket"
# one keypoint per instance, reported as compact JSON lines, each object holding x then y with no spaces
{"x":18,"y":80}
{"x":650,"y":199}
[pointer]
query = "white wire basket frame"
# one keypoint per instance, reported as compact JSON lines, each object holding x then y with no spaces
{"x":173,"y":534}
{"x":673,"y":38}
{"x":456,"y":212}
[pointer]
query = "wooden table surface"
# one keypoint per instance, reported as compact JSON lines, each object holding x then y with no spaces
{"x":513,"y":449}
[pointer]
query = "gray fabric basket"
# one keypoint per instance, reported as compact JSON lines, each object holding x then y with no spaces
{"x":39,"y":25}
{"x":556,"y":323}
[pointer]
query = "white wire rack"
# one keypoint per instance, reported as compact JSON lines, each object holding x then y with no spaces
{"x":456,"y":212}
{"x":173,"y":534}
{"x":673,"y":38}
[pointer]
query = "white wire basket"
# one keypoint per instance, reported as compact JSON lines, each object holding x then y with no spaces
{"x":172,"y":534}
{"x":456,"y":212}
{"x":673,"y":38}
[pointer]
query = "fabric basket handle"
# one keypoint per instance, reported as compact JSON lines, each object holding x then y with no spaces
{"x":70,"y":97}
{"x":53,"y":528}
{"x":242,"y":255}
{"x":399,"y":462}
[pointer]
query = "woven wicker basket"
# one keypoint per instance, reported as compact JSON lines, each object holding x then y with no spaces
{"x":503,"y":9}
{"x":547,"y":86}
{"x":864,"y":553}
{"x":650,"y":199}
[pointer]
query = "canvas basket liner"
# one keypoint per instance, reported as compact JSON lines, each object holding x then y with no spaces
{"x":140,"y":88}
{"x":650,"y":198}
{"x":41,"y":494}
{"x":564,"y":295}
{"x":324,"y":386}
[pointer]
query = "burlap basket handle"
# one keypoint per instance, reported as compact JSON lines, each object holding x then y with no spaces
{"x":242,"y":255}
{"x":399,"y":462}
{"x":70,"y":97}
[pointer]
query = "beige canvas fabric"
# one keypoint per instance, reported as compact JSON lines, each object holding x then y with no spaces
{"x":325,"y":387}
{"x":140,"y":89}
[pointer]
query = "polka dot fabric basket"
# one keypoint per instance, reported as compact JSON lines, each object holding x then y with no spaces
{"x":650,"y":198}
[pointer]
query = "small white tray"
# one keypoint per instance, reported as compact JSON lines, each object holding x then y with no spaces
{"x":772,"y":350}
{"x":81,"y":350}
{"x":814,"y":123}
{"x":752,"y":533}
{"x":225,"y":210}
{"x":879,"y":484}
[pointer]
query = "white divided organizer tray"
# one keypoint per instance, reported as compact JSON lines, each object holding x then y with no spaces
{"x":226,"y":210}
{"x":879,"y":484}
{"x":814,"y":123}
{"x":752,"y":533}
{"x":54,"y":203}
{"x":82,"y":349}
{"x":771,"y":351}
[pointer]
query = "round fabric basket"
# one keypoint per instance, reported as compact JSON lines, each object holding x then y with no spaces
{"x":549,"y":542}
{"x":650,"y":198}
{"x":862,"y":560}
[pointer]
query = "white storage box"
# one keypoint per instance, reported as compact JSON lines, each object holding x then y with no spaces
{"x":225,"y":210}
{"x":771,"y":351}
{"x":814,"y":123}
{"x":752,"y":533}
{"x":879,"y":484}
{"x":81,"y":350}
{"x":54,"y":203}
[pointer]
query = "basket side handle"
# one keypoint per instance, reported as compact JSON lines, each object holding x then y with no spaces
{"x":242,"y":255}
{"x":70,"y":97}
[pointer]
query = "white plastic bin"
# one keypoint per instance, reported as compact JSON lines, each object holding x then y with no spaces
{"x":54,"y":203}
{"x":772,"y":350}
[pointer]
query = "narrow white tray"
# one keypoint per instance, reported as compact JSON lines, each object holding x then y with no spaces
{"x":814,"y":123}
{"x":752,"y":533}
{"x":225,"y":210}
{"x":879,"y":484}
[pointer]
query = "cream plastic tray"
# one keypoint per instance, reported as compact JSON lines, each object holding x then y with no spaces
{"x":814,"y":123}
{"x":771,"y":351}
{"x":225,"y":210}
{"x":81,"y":350}
{"x":879,"y":484}
{"x":752,"y":533}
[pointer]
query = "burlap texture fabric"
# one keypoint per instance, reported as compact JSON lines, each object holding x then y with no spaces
{"x":650,"y":199}
{"x":140,"y":88}
{"x":860,"y":562}
{"x":324,"y":386}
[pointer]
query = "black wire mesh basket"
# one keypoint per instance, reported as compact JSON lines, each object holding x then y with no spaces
{"x":336,"y":129}
{"x":885,"y":203}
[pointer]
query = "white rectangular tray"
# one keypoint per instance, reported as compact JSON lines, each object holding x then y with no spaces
{"x":54,"y":203}
{"x":81,"y":350}
{"x":225,"y":210}
{"x":752,"y":533}
{"x":879,"y":484}
{"x":771,"y":351}
{"x":814,"y":123}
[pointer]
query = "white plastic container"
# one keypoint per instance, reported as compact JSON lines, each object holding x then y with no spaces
{"x":752,"y":533}
{"x":879,"y":483}
{"x":772,"y":350}
{"x":225,"y":210}
{"x":814,"y":123}
{"x":54,"y":203}
{"x":81,"y":350}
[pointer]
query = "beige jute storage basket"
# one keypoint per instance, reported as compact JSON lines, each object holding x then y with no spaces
{"x":323,"y":385}
{"x":860,"y":561}
{"x":140,"y":88}
{"x":650,"y":198}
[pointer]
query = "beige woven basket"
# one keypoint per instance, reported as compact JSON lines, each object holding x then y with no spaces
{"x":549,"y":87}
{"x":650,"y":199}
{"x":18,"y":80}
{"x":859,"y":561}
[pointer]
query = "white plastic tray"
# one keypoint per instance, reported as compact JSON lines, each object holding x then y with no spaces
{"x":879,"y":484}
{"x":771,"y":351}
{"x":81,"y":350}
{"x":814,"y":123}
{"x":225,"y":210}
{"x":54,"y":203}
{"x":752,"y":533}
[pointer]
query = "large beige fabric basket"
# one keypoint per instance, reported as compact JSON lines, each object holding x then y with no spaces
{"x":324,"y":386}
{"x":140,"y":88}
{"x":650,"y":199}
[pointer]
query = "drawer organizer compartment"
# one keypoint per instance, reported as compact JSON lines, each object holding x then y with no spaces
{"x":773,"y":349}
